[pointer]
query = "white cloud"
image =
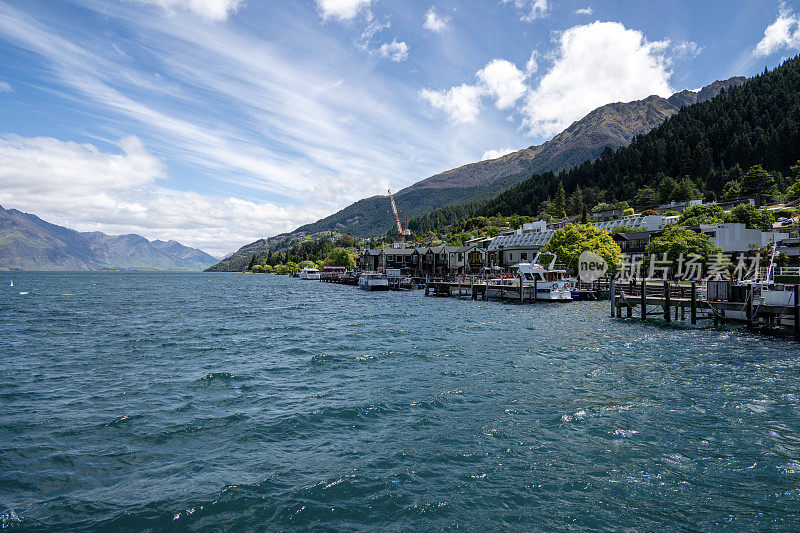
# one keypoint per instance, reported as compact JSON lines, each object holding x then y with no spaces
{"x":5,"y":87}
{"x":502,"y":80}
{"x":373,"y":27}
{"x":784,"y":33}
{"x":687,"y":49}
{"x":462,"y":103}
{"x":434,"y":22}
{"x":532,"y":66}
{"x":341,"y":9}
{"x":213,"y":10}
{"x":595,"y":64}
{"x":396,"y":51}
{"x":84,"y":188}
{"x":499,"y":79}
{"x":494,"y":154}
{"x":584,"y":11}
{"x":532,"y":9}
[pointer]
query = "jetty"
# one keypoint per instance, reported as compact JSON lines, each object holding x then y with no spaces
{"x":721,"y":301}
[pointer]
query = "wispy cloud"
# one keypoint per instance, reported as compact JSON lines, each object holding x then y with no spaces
{"x":783,"y":34}
{"x":5,"y":87}
{"x":213,"y":10}
{"x":494,"y":154}
{"x":396,"y":51}
{"x":341,"y":9}
{"x":234,"y":113}
{"x":434,"y":22}
{"x":584,"y":11}
{"x":531,"y":9}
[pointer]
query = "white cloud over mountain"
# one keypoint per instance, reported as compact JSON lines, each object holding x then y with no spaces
{"x":595,"y":64}
{"x":494,"y":154}
{"x":462,"y":103}
{"x":783,"y":34}
{"x":84,"y":188}
{"x":503,"y":81}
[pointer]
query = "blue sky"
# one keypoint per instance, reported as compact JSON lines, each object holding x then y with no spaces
{"x":216,"y":122}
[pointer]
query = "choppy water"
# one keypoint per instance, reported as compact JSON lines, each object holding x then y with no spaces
{"x":206,"y":401}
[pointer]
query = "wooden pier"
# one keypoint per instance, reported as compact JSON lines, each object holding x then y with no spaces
{"x":483,"y":289}
{"x":672,"y":301}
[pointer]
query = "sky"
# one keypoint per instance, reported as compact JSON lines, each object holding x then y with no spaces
{"x":218,"y":122}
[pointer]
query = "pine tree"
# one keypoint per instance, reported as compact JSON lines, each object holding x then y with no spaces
{"x":560,"y":204}
{"x":758,"y":181}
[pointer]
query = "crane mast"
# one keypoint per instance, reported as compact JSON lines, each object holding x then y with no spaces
{"x":400,"y":229}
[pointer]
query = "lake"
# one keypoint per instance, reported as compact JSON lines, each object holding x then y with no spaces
{"x":135,"y":401}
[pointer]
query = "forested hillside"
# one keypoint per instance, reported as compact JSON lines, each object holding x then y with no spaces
{"x":614,"y":125}
{"x":704,"y":150}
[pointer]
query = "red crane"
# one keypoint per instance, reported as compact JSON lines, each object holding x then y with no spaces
{"x":402,"y":229}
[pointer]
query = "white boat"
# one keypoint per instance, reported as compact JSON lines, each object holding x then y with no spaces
{"x":550,"y":283}
{"x":309,"y":273}
{"x":373,"y":281}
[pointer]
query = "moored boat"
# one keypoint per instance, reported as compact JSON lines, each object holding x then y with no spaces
{"x":309,"y":273}
{"x":373,"y":281}
{"x":548,"y":282}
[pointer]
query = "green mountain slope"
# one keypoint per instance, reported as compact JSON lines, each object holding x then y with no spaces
{"x":710,"y":142}
{"x":30,"y":243}
{"x":610,"y":125}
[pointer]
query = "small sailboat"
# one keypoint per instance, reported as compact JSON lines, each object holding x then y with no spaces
{"x":12,"y":283}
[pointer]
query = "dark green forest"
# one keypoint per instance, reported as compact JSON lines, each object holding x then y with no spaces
{"x":705,"y":150}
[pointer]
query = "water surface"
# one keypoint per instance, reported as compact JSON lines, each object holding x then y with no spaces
{"x":204,"y":401}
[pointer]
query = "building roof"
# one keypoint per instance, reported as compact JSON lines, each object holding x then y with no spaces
{"x":635,"y":235}
{"x":400,"y":251}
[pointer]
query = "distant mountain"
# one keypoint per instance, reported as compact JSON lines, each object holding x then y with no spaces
{"x":705,"y":146}
{"x":30,"y":243}
{"x":611,"y":125}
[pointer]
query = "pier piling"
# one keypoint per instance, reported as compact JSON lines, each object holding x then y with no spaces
{"x":796,"y":312}
{"x":644,"y":300}
{"x":612,"y":292}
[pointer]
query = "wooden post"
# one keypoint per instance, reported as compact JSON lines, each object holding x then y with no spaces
{"x":694,"y":303}
{"x":797,"y":312}
{"x":643,"y":298}
{"x":521,"y":294}
{"x":612,"y":292}
{"x":535,"y":288}
{"x":749,"y":306}
{"x":667,"y":316}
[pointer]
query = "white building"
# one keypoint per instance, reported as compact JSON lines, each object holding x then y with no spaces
{"x":735,"y":237}
{"x":523,"y":244}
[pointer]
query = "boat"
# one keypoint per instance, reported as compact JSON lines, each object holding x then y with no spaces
{"x":373,"y":281}
{"x":550,"y":283}
{"x":309,"y":273}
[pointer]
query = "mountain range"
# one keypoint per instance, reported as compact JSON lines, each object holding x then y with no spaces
{"x":30,"y":243}
{"x":612,"y":125}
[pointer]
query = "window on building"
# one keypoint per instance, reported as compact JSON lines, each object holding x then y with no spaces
{"x":523,"y":256}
